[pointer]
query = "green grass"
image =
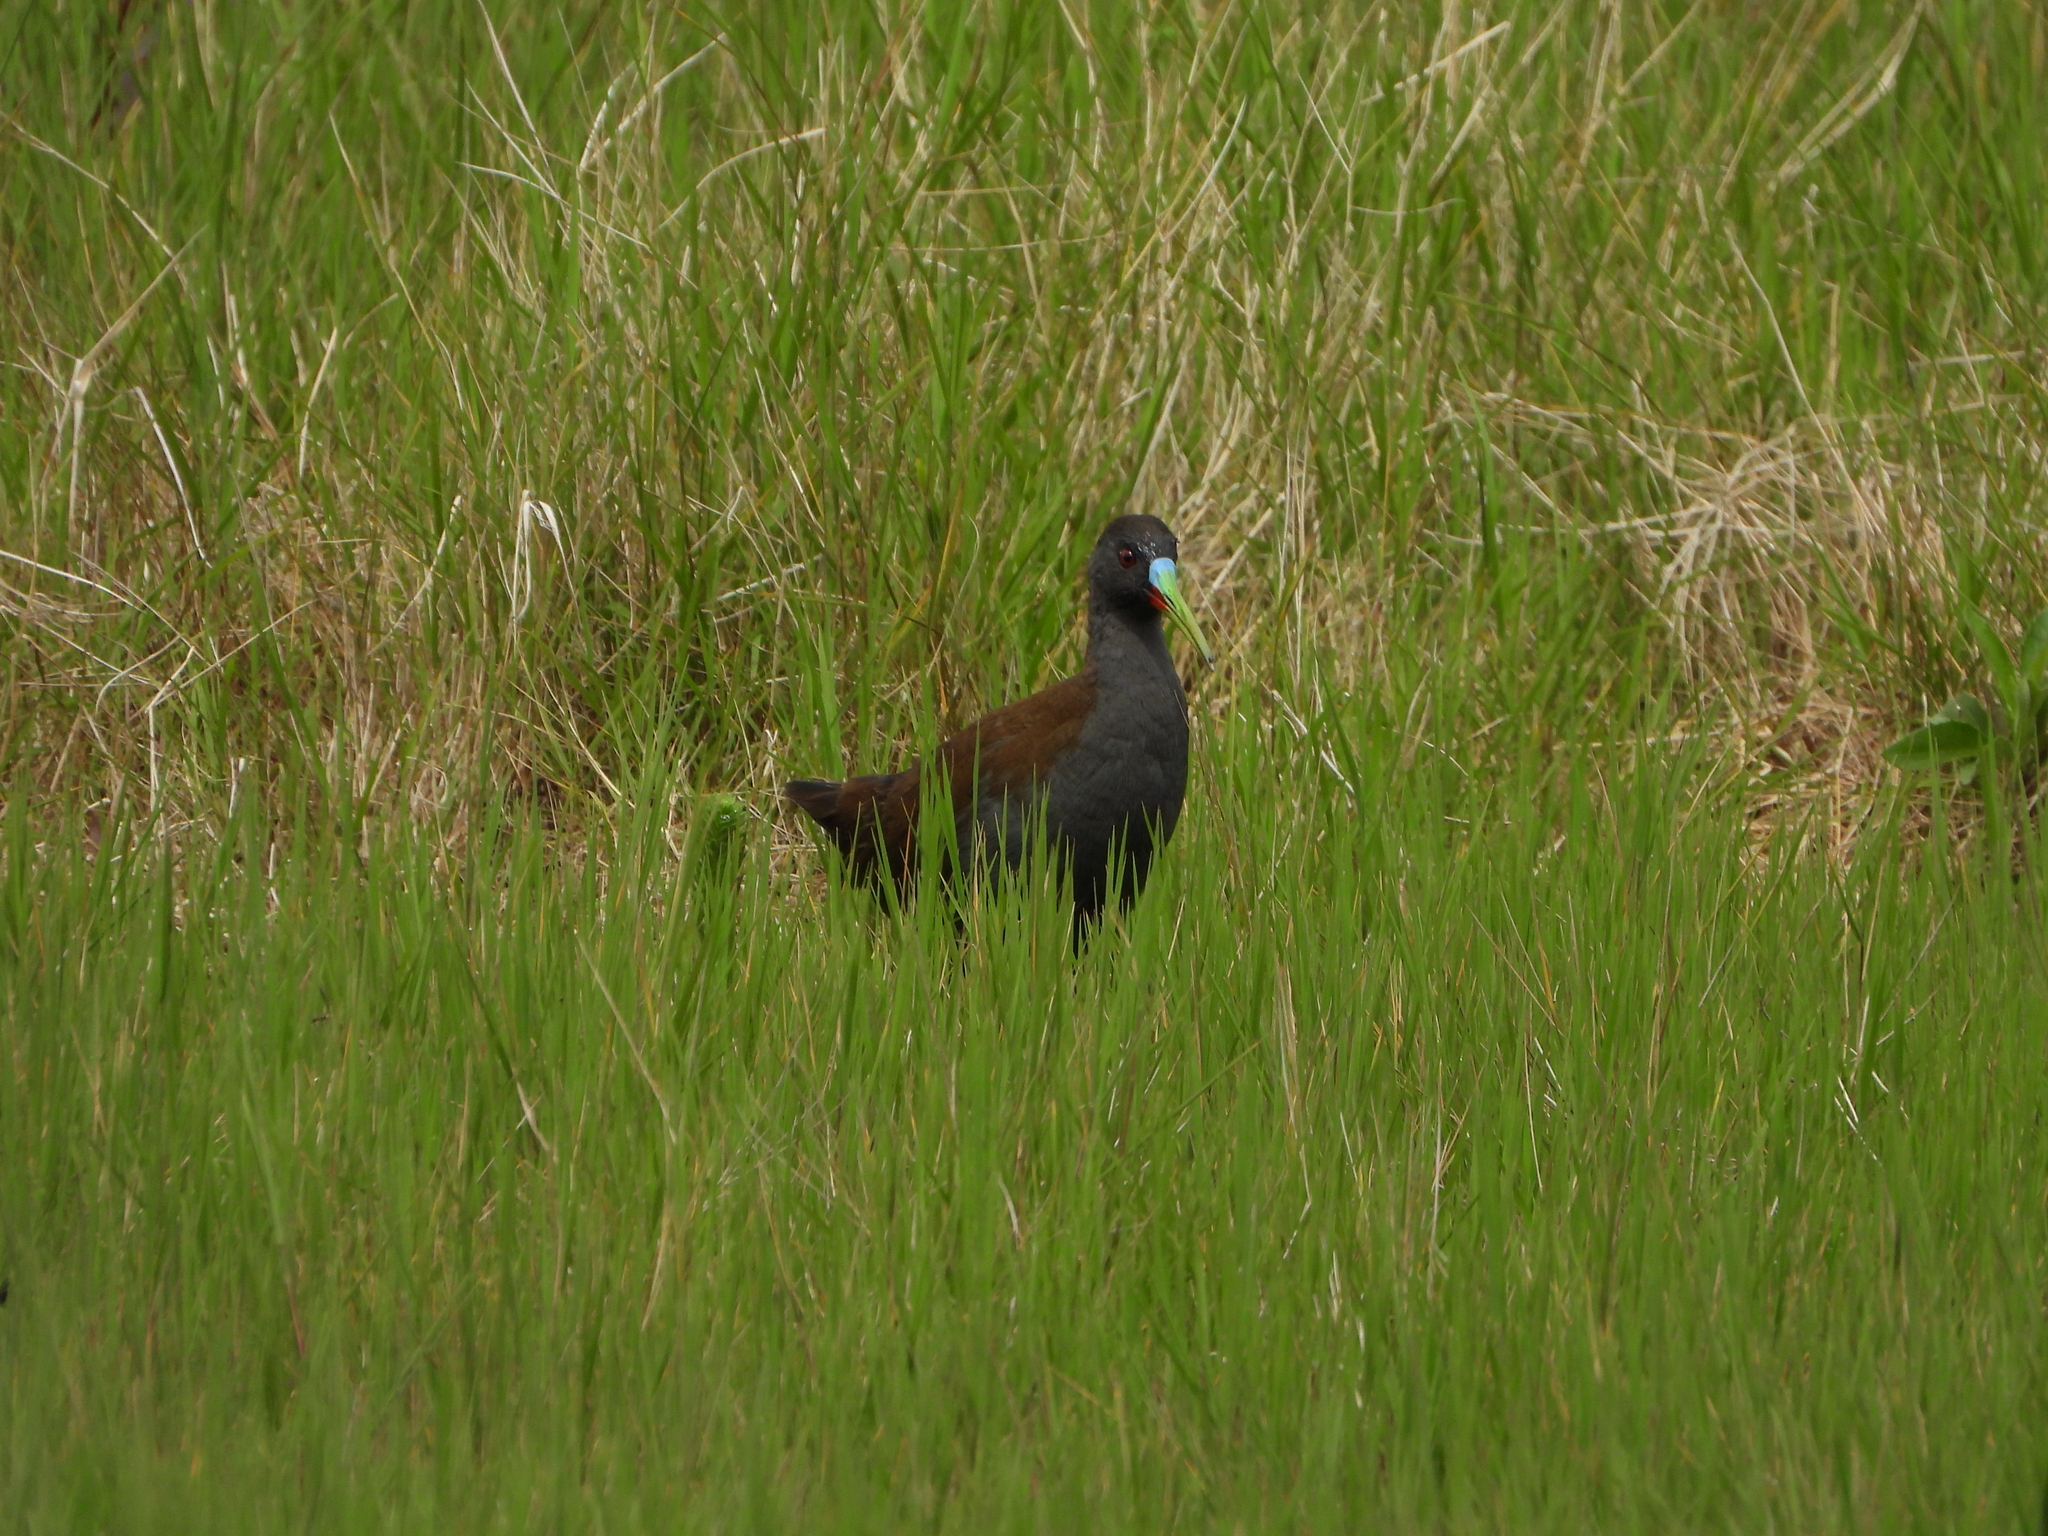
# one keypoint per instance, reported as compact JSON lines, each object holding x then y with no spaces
{"x":1553,"y":1172}
{"x":1557,"y":1080}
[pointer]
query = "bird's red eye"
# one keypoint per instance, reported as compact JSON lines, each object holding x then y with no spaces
{"x":1127,"y":558}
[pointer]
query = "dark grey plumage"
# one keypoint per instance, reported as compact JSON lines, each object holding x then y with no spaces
{"x":1102,"y":756}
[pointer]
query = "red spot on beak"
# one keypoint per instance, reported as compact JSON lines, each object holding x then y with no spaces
{"x":1157,"y":597}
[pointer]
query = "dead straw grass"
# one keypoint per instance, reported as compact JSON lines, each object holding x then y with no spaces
{"x":808,"y":372}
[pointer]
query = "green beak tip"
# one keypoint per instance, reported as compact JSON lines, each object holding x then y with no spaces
{"x":1166,"y":582}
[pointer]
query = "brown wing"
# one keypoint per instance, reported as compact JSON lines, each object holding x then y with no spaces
{"x":873,"y":820}
{"x":1010,"y":750}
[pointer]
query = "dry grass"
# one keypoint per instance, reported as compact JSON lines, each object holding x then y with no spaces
{"x":829,"y":346}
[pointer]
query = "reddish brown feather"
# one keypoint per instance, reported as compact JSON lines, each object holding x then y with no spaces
{"x":867,"y":818}
{"x":1006,"y":752}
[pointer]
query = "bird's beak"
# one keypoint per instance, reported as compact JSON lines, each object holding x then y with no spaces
{"x":1166,"y":595}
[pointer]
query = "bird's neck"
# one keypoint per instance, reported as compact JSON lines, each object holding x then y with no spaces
{"x":1129,"y":646}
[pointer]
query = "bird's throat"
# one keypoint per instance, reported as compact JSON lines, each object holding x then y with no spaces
{"x":1131,"y":647}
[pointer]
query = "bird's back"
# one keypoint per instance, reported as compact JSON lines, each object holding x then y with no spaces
{"x":995,"y":772}
{"x":1107,"y":785}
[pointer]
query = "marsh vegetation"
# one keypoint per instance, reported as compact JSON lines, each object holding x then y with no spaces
{"x":456,"y":462}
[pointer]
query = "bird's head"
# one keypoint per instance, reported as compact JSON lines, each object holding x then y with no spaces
{"x":1132,"y":572}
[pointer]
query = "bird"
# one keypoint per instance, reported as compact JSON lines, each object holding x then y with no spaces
{"x":1099,"y":759}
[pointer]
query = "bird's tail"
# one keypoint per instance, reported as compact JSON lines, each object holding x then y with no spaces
{"x":859,"y":816}
{"x":819,"y":800}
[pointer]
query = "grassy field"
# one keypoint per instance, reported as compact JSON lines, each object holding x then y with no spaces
{"x":1559,"y":1077}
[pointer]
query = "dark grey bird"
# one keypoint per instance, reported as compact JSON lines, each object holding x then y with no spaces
{"x":1101,"y":757}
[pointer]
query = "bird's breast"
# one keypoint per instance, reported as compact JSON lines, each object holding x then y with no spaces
{"x":1130,"y":765}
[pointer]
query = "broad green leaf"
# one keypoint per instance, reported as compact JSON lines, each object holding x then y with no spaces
{"x":2034,"y":649}
{"x":1935,"y":743}
{"x":1996,"y":656}
{"x":1966,"y":708}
